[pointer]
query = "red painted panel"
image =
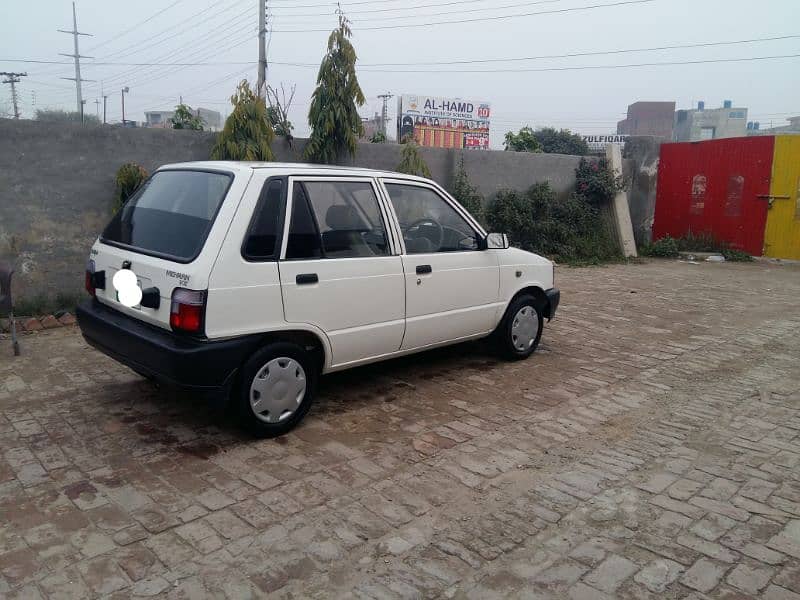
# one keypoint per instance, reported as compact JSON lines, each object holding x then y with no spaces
{"x":714,"y":187}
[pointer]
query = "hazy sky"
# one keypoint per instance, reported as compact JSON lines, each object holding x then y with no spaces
{"x":586,"y":100}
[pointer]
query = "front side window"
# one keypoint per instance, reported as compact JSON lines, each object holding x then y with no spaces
{"x":171,"y":214}
{"x":429,"y":223}
{"x":343,"y":217}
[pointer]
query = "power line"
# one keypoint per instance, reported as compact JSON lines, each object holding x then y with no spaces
{"x":206,"y":40}
{"x":168,"y":31}
{"x":424,"y":63}
{"x":412,"y":8}
{"x":477,"y":19}
{"x":588,"y":67}
{"x":134,"y":27}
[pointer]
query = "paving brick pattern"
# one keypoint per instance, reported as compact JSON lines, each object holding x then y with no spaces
{"x":650,"y":449}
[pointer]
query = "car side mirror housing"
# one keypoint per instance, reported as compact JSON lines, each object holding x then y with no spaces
{"x":496,"y":241}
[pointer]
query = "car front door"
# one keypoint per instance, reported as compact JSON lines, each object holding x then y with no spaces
{"x":339,"y":270}
{"x":452,"y":286}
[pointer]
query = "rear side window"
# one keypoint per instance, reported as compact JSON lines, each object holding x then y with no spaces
{"x":171,"y":214}
{"x":304,"y":240}
{"x":262,"y":238}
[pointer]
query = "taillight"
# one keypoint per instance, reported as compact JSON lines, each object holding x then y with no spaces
{"x":186,"y":310}
{"x":94,"y":279}
{"x":89,"y":284}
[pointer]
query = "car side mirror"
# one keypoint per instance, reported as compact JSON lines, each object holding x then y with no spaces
{"x":496,"y":241}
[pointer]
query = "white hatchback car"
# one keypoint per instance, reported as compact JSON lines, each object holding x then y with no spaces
{"x":252,"y":279}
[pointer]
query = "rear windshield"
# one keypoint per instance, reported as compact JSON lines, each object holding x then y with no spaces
{"x":171,"y":214}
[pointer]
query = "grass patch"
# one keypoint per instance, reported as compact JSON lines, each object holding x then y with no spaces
{"x":43,"y":304}
{"x":669,"y":247}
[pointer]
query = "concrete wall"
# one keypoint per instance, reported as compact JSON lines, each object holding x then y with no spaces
{"x":57,"y":186}
{"x":643,"y":153}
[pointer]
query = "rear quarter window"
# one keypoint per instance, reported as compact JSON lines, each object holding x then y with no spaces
{"x":170,"y":215}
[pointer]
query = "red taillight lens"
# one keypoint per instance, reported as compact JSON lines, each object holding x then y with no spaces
{"x":89,"y":284}
{"x":186,"y":312}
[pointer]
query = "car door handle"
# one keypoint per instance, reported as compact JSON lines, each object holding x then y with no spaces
{"x":306,"y":278}
{"x":423,"y":269}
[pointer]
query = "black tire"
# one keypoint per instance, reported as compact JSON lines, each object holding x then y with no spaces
{"x":254,"y":366}
{"x":504,"y":335}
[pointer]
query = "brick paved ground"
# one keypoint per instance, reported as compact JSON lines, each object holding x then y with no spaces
{"x":650,"y":449}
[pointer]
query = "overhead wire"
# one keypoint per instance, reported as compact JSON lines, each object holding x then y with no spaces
{"x":475,"y":19}
{"x":436,"y":63}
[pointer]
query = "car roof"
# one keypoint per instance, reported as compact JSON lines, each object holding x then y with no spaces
{"x":290,"y":168}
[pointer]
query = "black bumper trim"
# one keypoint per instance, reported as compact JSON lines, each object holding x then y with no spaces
{"x":553,"y":298}
{"x":202,"y":365}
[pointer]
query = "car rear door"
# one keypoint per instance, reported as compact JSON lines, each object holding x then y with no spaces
{"x":452,"y":286}
{"x":340,"y":268}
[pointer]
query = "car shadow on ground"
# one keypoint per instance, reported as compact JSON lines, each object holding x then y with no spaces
{"x":192,"y":424}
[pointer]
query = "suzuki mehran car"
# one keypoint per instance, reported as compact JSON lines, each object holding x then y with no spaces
{"x":250,"y":280}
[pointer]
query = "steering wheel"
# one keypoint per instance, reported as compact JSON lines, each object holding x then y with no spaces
{"x":428,"y":221}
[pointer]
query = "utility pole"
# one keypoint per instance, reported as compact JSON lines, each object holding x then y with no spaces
{"x":124,"y":91}
{"x":105,"y":100}
{"x":97,"y":107}
{"x":77,"y":56}
{"x":384,"y":112}
{"x":13,"y":79}
{"x":262,"y":48}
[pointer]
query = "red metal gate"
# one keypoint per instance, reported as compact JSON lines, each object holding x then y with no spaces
{"x":718,"y":187}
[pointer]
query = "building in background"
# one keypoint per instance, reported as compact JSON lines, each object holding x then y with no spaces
{"x":710,"y":124}
{"x":160,"y":119}
{"x":444,"y":122}
{"x":793,"y":128}
{"x":649,"y":118}
{"x":372,"y":125}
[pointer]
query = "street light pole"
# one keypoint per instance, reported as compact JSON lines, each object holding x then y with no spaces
{"x":124,"y":91}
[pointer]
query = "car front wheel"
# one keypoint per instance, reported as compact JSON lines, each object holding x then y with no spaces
{"x":521,"y":328}
{"x":276,"y":390}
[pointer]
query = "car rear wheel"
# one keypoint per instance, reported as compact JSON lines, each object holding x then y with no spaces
{"x":276,"y":389}
{"x":520,"y":330}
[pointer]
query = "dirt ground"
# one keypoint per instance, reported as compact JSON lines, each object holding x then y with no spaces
{"x":650,"y":448}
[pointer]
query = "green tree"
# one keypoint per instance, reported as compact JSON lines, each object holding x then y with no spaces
{"x":411,"y":161}
{"x":378,"y":138}
{"x":524,"y":141}
{"x":561,"y":141}
{"x":184,"y":118}
{"x":247,"y":134}
{"x":333,"y":116}
{"x":278,"y":111}
{"x":63,"y":116}
{"x":466,"y":193}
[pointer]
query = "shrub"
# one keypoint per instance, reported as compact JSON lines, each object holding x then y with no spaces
{"x":569,"y":230}
{"x":466,"y":193}
{"x":734,"y":255}
{"x":128,"y":179}
{"x":595,"y":180}
{"x":666,"y":247}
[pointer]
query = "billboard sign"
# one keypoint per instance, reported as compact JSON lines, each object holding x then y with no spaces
{"x":599,"y":142}
{"x":444,"y":122}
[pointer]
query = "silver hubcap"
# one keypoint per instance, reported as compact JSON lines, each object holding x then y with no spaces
{"x":277,"y":389}
{"x":524,"y":328}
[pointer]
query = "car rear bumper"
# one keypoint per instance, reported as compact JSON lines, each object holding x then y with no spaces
{"x":200,"y":365}
{"x":553,"y":298}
